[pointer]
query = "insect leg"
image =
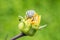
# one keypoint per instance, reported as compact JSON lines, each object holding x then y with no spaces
{"x":43,"y":26}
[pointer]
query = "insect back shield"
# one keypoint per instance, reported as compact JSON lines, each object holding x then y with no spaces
{"x":26,"y":28}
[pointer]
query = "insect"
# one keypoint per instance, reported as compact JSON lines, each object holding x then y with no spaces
{"x":29,"y":25}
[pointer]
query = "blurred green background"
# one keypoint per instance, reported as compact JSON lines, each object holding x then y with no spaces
{"x":48,"y":9}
